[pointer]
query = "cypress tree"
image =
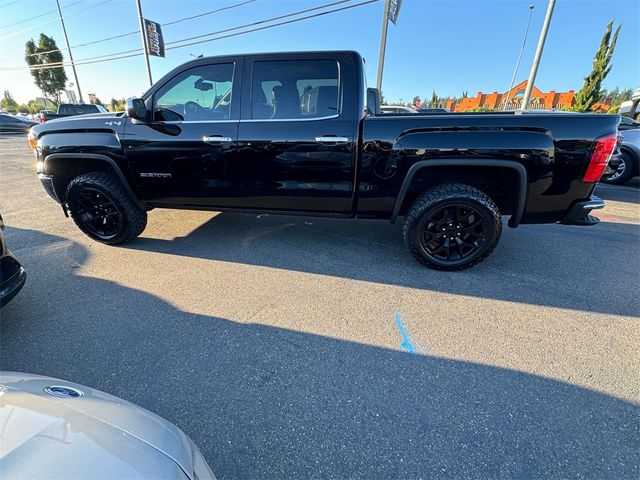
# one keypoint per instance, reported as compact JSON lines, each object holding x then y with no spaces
{"x":591,"y":91}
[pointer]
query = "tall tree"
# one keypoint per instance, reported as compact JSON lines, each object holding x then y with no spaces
{"x":50,"y":80}
{"x":7,"y":102}
{"x":591,"y":91}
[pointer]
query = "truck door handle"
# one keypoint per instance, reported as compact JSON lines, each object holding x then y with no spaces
{"x":216,"y":139}
{"x":332,"y":139}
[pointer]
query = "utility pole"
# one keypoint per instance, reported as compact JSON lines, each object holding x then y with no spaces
{"x":524,"y":42}
{"x":383,"y":43}
{"x":144,"y":42}
{"x":66,"y":39}
{"x":536,"y":59}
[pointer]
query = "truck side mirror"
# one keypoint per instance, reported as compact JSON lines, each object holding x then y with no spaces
{"x":137,"y":109}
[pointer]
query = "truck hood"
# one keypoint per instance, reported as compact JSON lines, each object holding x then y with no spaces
{"x":94,"y":435}
{"x":87,"y":116}
{"x":109,"y":120}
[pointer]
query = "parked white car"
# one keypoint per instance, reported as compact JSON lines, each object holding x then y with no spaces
{"x":51,"y":428}
{"x":395,"y":109}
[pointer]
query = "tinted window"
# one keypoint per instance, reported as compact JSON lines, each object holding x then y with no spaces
{"x":78,"y":109}
{"x":200,"y":93}
{"x":295,"y":89}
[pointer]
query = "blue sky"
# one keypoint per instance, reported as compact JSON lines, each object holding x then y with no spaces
{"x":442,"y":45}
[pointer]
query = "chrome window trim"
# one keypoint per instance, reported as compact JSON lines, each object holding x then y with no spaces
{"x":178,"y":122}
{"x":254,"y":120}
{"x":340,"y":96}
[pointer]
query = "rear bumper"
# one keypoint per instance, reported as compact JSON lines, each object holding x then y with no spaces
{"x":579,"y":213}
{"x":13,"y":278}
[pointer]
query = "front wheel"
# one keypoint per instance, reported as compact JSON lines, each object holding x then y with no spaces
{"x":452,"y":227}
{"x":102,"y":209}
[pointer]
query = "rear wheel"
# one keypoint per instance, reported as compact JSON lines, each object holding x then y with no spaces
{"x":623,"y":173}
{"x":103,"y":210}
{"x":452,"y":227}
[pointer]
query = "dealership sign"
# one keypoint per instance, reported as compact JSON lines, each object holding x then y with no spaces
{"x":394,"y":10}
{"x":153,"y":36}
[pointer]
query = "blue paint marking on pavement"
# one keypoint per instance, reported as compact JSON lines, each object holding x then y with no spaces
{"x":406,"y":344}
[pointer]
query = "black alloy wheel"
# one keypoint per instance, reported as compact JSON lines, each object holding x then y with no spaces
{"x":452,"y":232}
{"x":103,"y":209}
{"x":452,"y":227}
{"x":99,"y":213}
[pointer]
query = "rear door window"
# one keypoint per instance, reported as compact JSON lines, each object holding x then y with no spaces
{"x":295,"y":89}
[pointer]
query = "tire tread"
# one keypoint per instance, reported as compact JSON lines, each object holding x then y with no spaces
{"x":444,"y":192}
{"x":135,"y":219}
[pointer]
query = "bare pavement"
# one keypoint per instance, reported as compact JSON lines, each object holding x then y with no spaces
{"x":292,"y":347}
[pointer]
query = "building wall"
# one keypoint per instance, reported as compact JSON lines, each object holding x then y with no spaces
{"x":539,"y":100}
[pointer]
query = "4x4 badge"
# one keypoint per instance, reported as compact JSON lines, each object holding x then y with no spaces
{"x":112,"y":123}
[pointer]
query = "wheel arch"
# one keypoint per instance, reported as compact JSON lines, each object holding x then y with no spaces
{"x":65,"y":166}
{"x":520,"y":194}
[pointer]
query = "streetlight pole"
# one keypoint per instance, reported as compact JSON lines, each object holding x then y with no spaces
{"x":383,"y":43}
{"x":524,"y":42}
{"x":144,"y":41}
{"x":66,"y":39}
{"x":536,"y":59}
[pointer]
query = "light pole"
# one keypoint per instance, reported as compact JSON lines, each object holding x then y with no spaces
{"x":144,"y":41}
{"x":536,"y":59}
{"x":66,"y":39}
{"x":383,"y":43}
{"x":390,"y":14}
{"x":524,"y":42}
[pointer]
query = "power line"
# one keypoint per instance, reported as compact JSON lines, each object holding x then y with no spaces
{"x":41,"y":15}
{"x":228,"y":7}
{"x":130,"y":53}
{"x":10,"y":3}
{"x":33,"y":27}
{"x":275,"y":25}
{"x":136,"y":32}
{"x":261,"y":21}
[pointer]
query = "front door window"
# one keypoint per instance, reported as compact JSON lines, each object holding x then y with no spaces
{"x":199,"y":94}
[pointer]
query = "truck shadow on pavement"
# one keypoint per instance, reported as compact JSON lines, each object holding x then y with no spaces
{"x":266,"y":402}
{"x":552,"y":265}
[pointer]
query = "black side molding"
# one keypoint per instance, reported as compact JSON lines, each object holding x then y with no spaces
{"x":103,"y":158}
{"x":521,"y":172}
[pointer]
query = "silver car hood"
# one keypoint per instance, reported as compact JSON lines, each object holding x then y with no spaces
{"x":94,"y":436}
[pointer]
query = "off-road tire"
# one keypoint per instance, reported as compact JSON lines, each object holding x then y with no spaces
{"x":451,"y":195}
{"x":133,"y":218}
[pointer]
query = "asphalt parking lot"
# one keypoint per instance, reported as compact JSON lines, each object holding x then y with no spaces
{"x":293,"y":347}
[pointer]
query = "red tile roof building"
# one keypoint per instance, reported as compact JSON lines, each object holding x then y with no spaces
{"x":539,"y":100}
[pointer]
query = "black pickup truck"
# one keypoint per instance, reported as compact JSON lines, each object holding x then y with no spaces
{"x":71,"y":109}
{"x":299,"y":133}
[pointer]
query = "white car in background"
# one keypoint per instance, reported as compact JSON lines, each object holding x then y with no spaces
{"x":395,"y":109}
{"x":51,"y":428}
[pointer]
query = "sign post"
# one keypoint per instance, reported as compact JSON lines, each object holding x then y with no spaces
{"x":144,"y":42}
{"x":391,"y":11}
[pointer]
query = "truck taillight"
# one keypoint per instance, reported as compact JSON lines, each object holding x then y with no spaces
{"x":600,"y":157}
